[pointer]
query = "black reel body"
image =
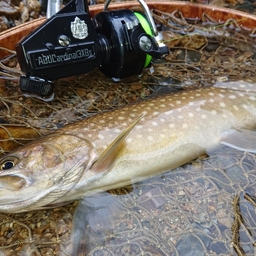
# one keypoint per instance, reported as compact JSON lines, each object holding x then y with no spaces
{"x":118,"y":27}
{"x":71,"y":43}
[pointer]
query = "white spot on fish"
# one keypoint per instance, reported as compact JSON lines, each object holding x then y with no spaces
{"x":138,"y":127}
{"x":221,"y":95}
{"x":171,"y":125}
{"x":213,"y":112}
{"x":190,"y":114}
{"x":178,"y":102}
{"x":184,"y":126}
{"x":252,"y":98}
{"x":224,"y":116}
{"x":198,"y":109}
{"x":129,"y":140}
{"x":203,"y":116}
{"x":236,"y":107}
{"x":203,"y":102}
{"x":132,"y":115}
{"x":154,"y":123}
{"x":198,"y":94}
{"x":191,"y":103}
{"x":232,"y":96}
{"x":100,"y":136}
{"x":245,"y":106}
{"x":117,"y":130}
{"x":162,"y":105}
{"x":121,"y":118}
{"x":211,"y":93}
{"x":180,"y":117}
{"x":222,"y":104}
{"x":102,"y":121}
{"x":110,"y":117}
{"x":168,"y":113}
{"x":162,"y":120}
{"x":191,"y":97}
{"x":155,"y":113}
{"x":212,"y":100}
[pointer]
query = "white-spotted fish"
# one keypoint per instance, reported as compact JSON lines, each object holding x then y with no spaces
{"x":126,"y":145}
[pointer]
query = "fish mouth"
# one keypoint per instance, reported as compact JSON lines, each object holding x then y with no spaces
{"x":20,"y":202}
{"x":14,"y":182}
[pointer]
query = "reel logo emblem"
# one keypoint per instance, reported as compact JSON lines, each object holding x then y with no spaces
{"x":79,"y":29}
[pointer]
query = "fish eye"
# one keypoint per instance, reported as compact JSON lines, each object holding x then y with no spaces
{"x":8,"y":164}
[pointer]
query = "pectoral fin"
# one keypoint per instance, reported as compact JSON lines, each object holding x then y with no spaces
{"x":107,"y":158}
{"x":94,"y":220}
{"x":243,"y":139}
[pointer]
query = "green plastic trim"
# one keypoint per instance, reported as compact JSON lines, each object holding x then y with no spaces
{"x":144,"y":23}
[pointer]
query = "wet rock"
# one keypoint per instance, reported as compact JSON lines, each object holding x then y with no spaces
{"x":24,"y":14}
{"x":218,"y":248}
{"x":189,"y":56}
{"x":33,"y":5}
{"x":190,"y":245}
{"x":152,"y":199}
{"x":14,"y":2}
{"x":220,"y":180}
{"x":246,"y":7}
{"x":236,"y":175}
{"x":4,"y":23}
{"x":193,"y":42}
{"x":212,"y":46}
{"x":9,"y":11}
{"x":171,"y":39}
{"x":34,"y":15}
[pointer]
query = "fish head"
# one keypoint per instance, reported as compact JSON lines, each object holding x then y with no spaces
{"x":38,"y":173}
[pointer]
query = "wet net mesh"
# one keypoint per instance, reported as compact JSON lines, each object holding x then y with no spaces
{"x":206,"y":207}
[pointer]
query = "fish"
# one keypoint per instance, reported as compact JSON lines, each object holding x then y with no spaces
{"x":127,"y":145}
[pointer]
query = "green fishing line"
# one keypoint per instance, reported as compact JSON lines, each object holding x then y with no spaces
{"x":144,"y":23}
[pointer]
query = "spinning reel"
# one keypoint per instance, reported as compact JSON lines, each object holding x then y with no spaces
{"x":121,"y":43}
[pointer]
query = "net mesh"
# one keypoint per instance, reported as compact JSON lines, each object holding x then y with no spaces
{"x":207,"y":206}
